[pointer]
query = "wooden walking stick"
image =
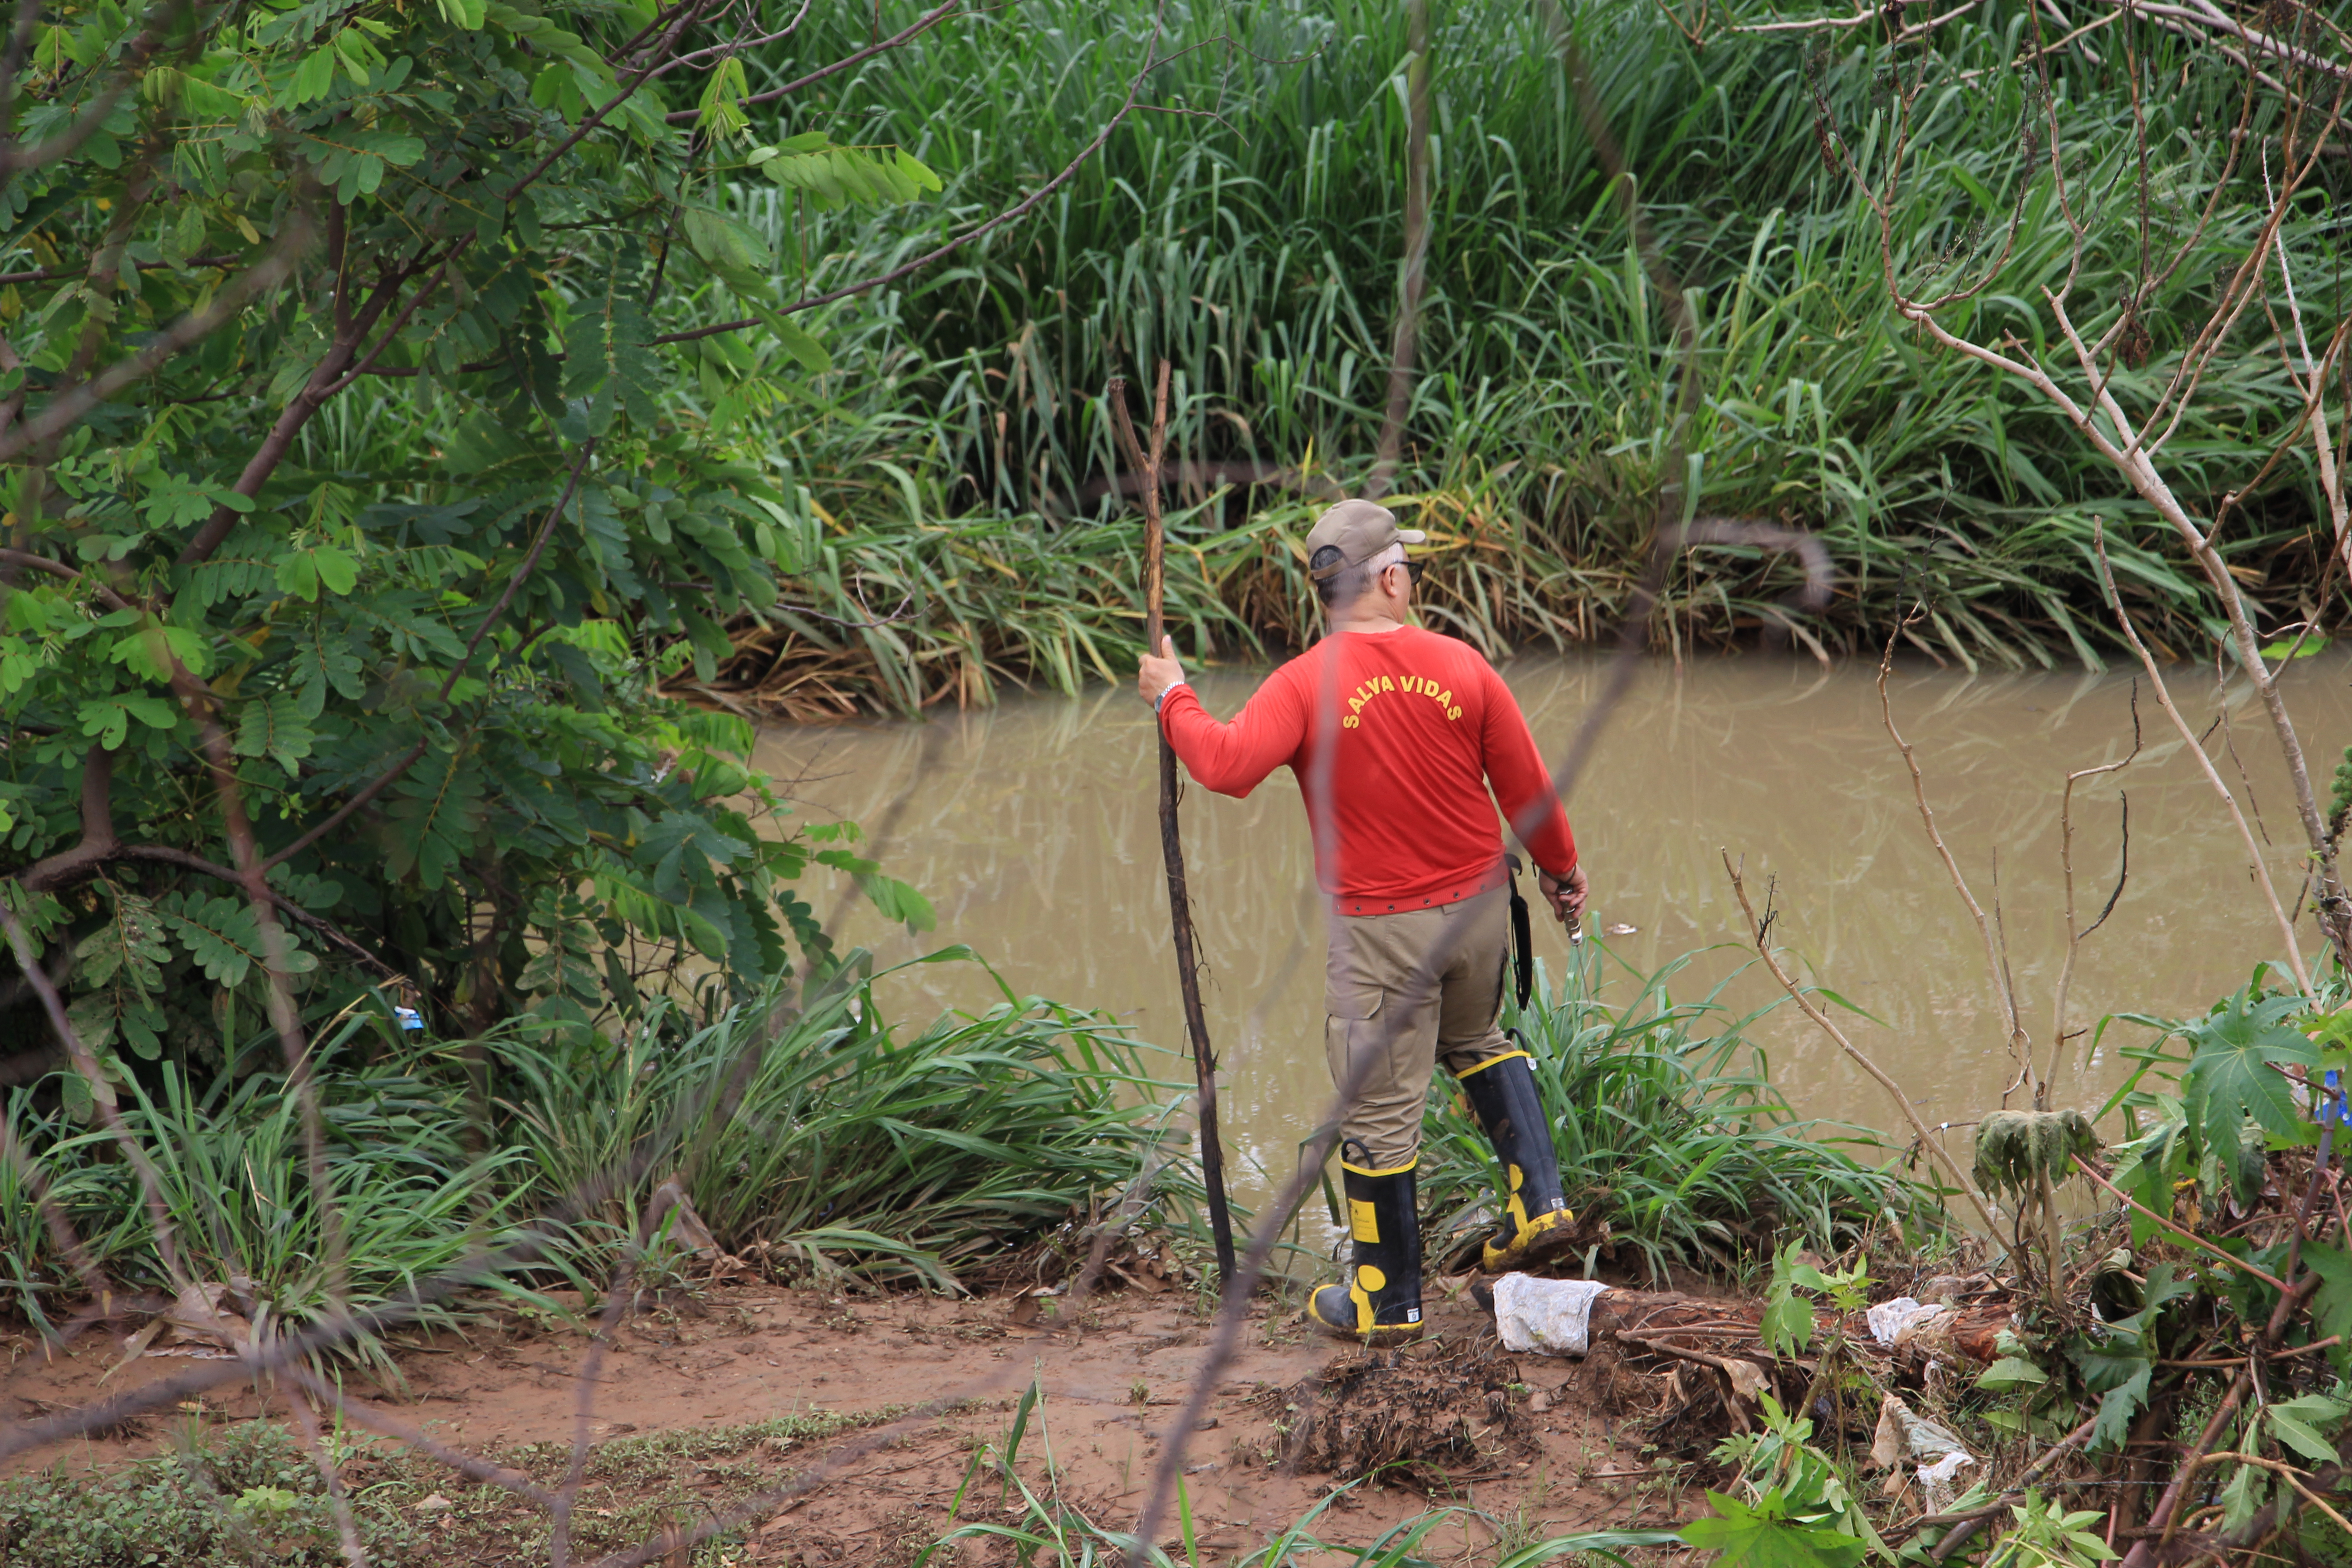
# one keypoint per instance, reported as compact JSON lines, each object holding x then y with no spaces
{"x":1172,"y":842}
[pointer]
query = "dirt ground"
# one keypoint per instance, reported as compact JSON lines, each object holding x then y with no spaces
{"x":1528,"y":1446}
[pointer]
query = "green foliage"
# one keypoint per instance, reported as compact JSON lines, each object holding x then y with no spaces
{"x":1788,"y":1323}
{"x":819,"y":1140}
{"x":1664,"y":1112}
{"x":415,"y":523}
{"x":2233,"y":1073}
{"x":2207,"y":1118}
{"x":249,"y":1494}
{"x":2118,"y":1365}
{"x":1767,"y":1536}
{"x":834,"y":1142}
{"x":1800,"y":1502}
{"x":2309,"y":1424}
{"x":2047,"y":1535}
{"x":1253,"y":244}
{"x":410,"y":1201}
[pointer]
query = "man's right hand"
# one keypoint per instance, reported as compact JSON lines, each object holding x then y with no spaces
{"x":1158,"y":671}
{"x":1565,"y":894}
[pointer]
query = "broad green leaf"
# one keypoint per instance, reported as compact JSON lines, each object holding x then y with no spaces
{"x":2302,"y":1424}
{"x":729,"y":248}
{"x":2233,"y":1072}
{"x":152,"y":648}
{"x":2011,"y":1372}
{"x":2332,"y":1306}
{"x":437,"y":816}
{"x":1764,"y":1537}
{"x":793,"y":339}
{"x":219,"y":933}
{"x":2117,"y":1405}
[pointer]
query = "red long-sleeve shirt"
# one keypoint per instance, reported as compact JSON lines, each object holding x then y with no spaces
{"x":1421,"y":724}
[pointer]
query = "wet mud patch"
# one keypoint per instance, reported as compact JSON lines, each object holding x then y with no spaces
{"x":1450,"y":1409}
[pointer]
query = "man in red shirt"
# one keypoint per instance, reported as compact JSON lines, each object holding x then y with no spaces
{"x":1394,"y":733}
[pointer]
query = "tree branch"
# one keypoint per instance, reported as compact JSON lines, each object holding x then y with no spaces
{"x":384,"y":780}
{"x":922,"y":24}
{"x":1022,"y":209}
{"x":326,"y":379}
{"x":60,"y":415}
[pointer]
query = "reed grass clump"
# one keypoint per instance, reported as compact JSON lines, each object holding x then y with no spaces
{"x":811,"y":1135}
{"x":967,"y":524}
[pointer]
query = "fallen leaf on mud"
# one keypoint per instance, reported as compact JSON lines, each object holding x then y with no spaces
{"x":437,"y":1503}
{"x":198,"y":1317}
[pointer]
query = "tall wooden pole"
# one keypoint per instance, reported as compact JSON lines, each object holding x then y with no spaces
{"x":1172,"y":842}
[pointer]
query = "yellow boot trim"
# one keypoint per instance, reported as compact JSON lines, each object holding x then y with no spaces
{"x":1386,"y":1171}
{"x":1524,"y":1234}
{"x":1490,"y":1061}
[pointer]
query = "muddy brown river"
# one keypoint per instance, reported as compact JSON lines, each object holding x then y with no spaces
{"x":1032,"y":826}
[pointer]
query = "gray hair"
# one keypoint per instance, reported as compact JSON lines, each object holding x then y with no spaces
{"x":1350,"y":583}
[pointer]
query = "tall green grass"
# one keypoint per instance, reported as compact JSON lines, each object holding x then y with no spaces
{"x":410,"y":1202}
{"x":815,"y":1136}
{"x":1667,"y":1122}
{"x":955,"y":464}
{"x":839,"y":1142}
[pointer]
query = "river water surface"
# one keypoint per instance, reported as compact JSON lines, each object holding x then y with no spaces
{"x":1034,"y":828}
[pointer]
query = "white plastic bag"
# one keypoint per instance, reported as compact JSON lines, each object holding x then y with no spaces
{"x":1549,"y":1316}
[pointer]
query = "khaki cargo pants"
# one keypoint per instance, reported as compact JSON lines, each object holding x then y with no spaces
{"x":1380,"y":1002}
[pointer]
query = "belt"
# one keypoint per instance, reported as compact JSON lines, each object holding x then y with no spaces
{"x":1486,"y":883}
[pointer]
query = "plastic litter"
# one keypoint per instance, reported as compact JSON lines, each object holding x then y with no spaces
{"x":1936,"y":1453}
{"x":1939,"y":1482}
{"x":1892,"y":1322}
{"x":1553,"y":1317}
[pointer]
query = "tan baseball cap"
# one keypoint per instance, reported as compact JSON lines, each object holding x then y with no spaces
{"x":1358,"y":529}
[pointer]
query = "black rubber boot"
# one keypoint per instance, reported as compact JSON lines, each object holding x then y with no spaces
{"x":1379,"y":1302}
{"x":1536,"y":1211}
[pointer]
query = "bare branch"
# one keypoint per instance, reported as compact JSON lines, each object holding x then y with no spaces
{"x":408,"y":759}
{"x":1010,"y":215}
{"x":922,"y":24}
{"x":61,"y":414}
{"x":2259,"y":871}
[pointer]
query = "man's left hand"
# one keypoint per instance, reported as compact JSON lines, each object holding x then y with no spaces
{"x":1564,"y":894}
{"x":1158,"y":671}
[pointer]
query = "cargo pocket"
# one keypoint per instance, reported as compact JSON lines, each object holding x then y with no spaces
{"x":1349,"y":1005}
{"x":1348,"y":996}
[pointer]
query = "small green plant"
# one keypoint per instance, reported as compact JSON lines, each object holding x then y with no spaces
{"x":1793,"y":1486}
{"x":2047,"y":1536}
{"x":1788,"y":1325}
{"x":1767,"y":1534}
{"x":238,"y":1495}
{"x":266,"y":1502}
